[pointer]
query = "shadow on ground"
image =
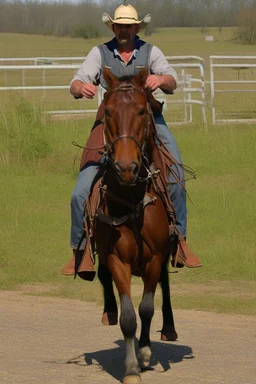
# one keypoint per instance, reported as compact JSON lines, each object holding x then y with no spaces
{"x":112,"y":360}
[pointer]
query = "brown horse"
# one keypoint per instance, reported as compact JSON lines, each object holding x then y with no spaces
{"x":132,"y":225}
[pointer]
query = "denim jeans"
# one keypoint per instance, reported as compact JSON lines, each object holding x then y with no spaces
{"x":85,"y":178}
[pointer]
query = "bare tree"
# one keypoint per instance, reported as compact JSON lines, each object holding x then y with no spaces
{"x":247,"y":25}
{"x":62,"y":18}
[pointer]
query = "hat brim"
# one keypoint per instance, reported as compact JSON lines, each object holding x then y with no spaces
{"x":108,"y":21}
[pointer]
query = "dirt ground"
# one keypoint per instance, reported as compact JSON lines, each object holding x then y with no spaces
{"x":58,"y":341}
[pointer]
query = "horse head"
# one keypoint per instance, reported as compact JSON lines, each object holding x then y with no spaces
{"x":127,"y":123}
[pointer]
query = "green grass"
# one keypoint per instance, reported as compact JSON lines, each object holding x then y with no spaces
{"x":20,"y":45}
{"x":173,"y":41}
{"x":37,"y":175}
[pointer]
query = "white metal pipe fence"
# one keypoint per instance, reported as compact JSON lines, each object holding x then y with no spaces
{"x":184,"y":85}
{"x":245,"y":63}
{"x":187,"y":85}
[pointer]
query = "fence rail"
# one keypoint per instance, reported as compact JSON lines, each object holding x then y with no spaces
{"x":181,"y":63}
{"x":244,"y":64}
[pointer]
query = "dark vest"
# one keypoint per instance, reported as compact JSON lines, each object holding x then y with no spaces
{"x":117,"y":67}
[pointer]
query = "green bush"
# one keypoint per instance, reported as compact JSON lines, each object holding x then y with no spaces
{"x":24,"y":136}
{"x":86,"y":32}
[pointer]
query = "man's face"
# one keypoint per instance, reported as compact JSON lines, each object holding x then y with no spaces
{"x":125,"y":33}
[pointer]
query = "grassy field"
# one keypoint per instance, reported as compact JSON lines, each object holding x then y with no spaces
{"x":175,"y":41}
{"x":38,"y":173}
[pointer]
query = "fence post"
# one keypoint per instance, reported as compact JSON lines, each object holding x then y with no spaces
{"x":212,"y":91}
{"x":23,"y":81}
{"x":43,"y":82}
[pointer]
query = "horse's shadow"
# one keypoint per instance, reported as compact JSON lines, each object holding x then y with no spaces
{"x":112,"y":360}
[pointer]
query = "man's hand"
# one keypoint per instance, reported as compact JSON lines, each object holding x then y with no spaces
{"x":88,"y":90}
{"x":165,"y":82}
{"x":153,"y":82}
{"x":79,"y":89}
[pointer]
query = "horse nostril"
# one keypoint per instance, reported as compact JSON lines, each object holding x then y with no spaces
{"x":120,"y":168}
{"x":117,"y":168}
{"x":134,"y":167}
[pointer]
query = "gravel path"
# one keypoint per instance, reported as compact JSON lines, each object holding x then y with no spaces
{"x":58,"y":341}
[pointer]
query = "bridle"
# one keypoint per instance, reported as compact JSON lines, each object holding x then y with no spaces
{"x":136,"y":208}
{"x":126,"y":88}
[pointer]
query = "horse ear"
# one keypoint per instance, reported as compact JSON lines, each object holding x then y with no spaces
{"x":110,"y":79}
{"x":142,"y":76}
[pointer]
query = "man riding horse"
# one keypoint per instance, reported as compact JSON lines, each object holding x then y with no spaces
{"x":126,"y":54}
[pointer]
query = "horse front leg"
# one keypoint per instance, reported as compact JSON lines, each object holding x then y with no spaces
{"x":146,"y":312}
{"x":168,"y":332}
{"x":110,"y":311}
{"x":122,"y":277}
{"x":128,"y":326}
{"x":146,"y":309}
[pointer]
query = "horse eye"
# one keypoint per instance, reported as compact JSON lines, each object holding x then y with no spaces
{"x":142,"y":112}
{"x":107,"y":112}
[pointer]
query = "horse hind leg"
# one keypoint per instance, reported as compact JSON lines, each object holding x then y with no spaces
{"x":110,"y":312}
{"x":168,"y":332}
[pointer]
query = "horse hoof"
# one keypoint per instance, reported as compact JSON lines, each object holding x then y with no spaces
{"x":144,"y":356}
{"x":132,"y":379}
{"x":109,"y":318}
{"x":169,"y":336}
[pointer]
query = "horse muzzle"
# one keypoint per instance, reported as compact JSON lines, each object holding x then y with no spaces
{"x":127,"y":173}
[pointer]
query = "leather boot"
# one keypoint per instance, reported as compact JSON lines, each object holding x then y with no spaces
{"x":86,"y":269}
{"x":185,"y":257}
{"x":69,"y":267}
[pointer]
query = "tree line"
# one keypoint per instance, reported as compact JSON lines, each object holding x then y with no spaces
{"x":64,"y":18}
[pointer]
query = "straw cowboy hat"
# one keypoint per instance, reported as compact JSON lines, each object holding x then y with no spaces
{"x":125,"y":14}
